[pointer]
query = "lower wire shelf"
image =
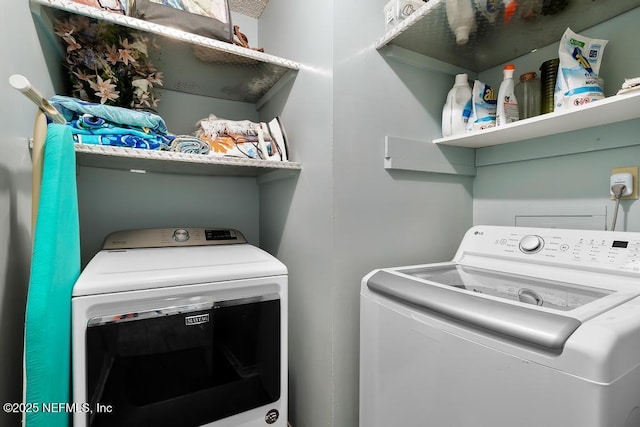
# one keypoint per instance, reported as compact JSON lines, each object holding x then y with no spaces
{"x":140,"y":160}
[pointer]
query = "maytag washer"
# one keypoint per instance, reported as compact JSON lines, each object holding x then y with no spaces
{"x":525,"y":327}
{"x":182,"y":328}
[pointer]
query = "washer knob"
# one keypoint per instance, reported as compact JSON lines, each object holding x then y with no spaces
{"x":180,"y":235}
{"x":531,"y":244}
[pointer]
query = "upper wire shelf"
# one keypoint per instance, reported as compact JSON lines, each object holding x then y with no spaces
{"x":427,"y":32}
{"x":190,"y":63}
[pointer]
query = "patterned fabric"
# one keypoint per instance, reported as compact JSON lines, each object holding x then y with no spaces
{"x":98,"y":124}
{"x":72,"y":108}
{"x":238,"y":138}
{"x":123,"y":140}
{"x":190,"y":145}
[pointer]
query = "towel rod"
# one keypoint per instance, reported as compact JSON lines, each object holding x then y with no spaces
{"x":23,"y":85}
{"x":37,"y":155}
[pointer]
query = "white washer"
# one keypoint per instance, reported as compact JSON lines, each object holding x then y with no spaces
{"x":525,"y":327}
{"x":182,"y":328}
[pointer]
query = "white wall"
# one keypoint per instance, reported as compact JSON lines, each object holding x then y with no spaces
{"x":120,"y":200}
{"x":296,"y":214}
{"x":382,"y":217}
{"x":112,"y":200}
{"x":576,"y":183}
{"x":345,"y":214}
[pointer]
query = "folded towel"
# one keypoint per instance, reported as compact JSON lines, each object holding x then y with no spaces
{"x":95,"y":130}
{"x":630,"y":85}
{"x":70,"y":108}
{"x":55,"y":266}
{"x":190,"y":144}
{"x":88,"y":129}
{"x":243,"y":138}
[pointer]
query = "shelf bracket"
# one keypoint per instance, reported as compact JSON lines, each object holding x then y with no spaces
{"x":414,"y":59}
{"x":425,"y":156}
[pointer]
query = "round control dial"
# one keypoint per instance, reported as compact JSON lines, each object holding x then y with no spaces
{"x":531,"y":244}
{"x":180,"y":235}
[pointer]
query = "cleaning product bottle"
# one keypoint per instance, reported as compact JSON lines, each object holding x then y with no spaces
{"x":462,"y":19}
{"x":457,"y":109}
{"x":507,"y":109}
{"x":488,"y":9}
{"x":510,"y":8}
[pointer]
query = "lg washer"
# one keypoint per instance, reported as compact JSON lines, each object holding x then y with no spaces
{"x":525,"y":327}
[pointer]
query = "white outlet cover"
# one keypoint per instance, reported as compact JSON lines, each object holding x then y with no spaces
{"x":622,"y":178}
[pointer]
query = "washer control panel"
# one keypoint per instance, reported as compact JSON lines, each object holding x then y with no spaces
{"x":599,"y":249}
{"x":180,"y":235}
{"x":166,"y":237}
{"x":530,"y":244}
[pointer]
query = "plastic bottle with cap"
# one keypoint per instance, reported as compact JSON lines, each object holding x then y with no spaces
{"x":488,"y":9}
{"x":507,"y":109}
{"x":457,"y":109}
{"x":461,"y":18}
{"x":510,"y":8}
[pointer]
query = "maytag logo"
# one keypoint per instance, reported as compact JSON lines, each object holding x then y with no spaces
{"x":196,"y":320}
{"x":272,"y":416}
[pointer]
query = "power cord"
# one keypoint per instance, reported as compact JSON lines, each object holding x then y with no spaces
{"x":617,"y":190}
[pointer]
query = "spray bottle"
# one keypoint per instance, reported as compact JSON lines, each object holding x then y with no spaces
{"x":510,"y":7}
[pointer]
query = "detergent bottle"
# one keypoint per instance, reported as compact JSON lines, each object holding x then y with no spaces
{"x":457,"y":109}
{"x":461,"y":18}
{"x":507,"y":109}
{"x":488,"y":9}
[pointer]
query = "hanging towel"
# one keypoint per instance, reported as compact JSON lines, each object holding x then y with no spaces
{"x":55,"y":266}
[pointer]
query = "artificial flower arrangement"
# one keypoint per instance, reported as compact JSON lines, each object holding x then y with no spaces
{"x":108,"y":64}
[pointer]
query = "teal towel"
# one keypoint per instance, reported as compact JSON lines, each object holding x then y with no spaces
{"x":55,"y":266}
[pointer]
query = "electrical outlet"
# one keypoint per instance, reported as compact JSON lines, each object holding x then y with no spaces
{"x":633,"y":170}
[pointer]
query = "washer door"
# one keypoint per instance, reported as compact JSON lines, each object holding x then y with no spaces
{"x":184,"y":366}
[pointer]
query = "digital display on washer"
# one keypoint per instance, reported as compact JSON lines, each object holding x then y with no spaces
{"x":219,"y":235}
{"x":620,"y":244}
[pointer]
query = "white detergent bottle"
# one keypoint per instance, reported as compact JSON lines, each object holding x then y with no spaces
{"x":457,"y":109}
{"x":507,"y":109}
{"x":462,"y":19}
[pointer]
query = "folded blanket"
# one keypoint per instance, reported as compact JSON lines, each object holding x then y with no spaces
{"x":190,"y":145}
{"x":97,"y":124}
{"x":243,"y":138}
{"x":123,"y":140}
{"x":72,"y":108}
{"x":88,"y":129}
{"x":629,"y":85}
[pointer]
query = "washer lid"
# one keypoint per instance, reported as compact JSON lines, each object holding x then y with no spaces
{"x":147,"y":268}
{"x":531,"y":290}
{"x":539,"y":311}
